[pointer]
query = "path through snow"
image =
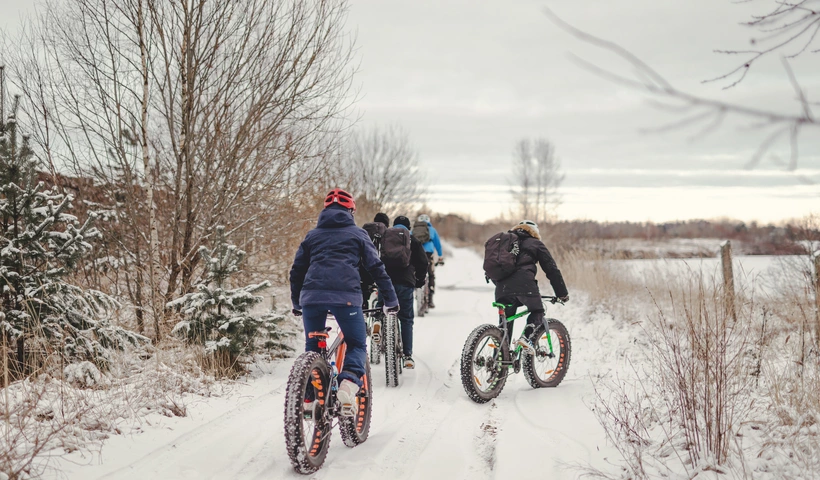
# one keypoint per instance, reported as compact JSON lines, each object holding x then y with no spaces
{"x":427,"y":428}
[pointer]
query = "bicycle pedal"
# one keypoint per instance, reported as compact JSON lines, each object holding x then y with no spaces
{"x":348,"y":410}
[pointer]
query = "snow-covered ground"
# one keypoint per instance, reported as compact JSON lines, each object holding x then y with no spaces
{"x":427,"y":428}
{"x":752,"y":272}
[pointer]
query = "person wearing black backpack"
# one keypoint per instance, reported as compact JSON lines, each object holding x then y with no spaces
{"x":428,"y":236}
{"x":375,"y":230}
{"x":406,"y":264}
{"x":510,"y":261}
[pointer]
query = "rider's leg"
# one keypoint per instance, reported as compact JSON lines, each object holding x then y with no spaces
{"x":534,"y":319}
{"x":431,"y":278}
{"x":314,"y":319}
{"x":351,"y":321}
{"x":405,"y":294}
{"x":509,"y":312}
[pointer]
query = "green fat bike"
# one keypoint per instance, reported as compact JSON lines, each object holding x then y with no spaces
{"x":487,"y":358}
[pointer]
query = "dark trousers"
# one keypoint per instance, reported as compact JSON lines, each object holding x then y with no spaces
{"x":406,"y":316}
{"x":351,"y":321}
{"x":535,"y":318}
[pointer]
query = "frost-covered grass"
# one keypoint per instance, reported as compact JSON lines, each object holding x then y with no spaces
{"x":80,"y":409}
{"x":701,"y":393}
{"x":51,"y":414}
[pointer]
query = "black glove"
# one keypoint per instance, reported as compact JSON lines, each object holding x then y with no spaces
{"x":388,"y":310}
{"x":564,"y":299}
{"x":419,"y":284}
{"x":440,"y":263}
{"x":296,"y":313}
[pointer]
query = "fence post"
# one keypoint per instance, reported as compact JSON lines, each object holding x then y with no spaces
{"x":728,"y":278}
{"x":816,"y":259}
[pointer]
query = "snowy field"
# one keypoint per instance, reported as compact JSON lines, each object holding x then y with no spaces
{"x":427,"y":428}
{"x":757,"y":273}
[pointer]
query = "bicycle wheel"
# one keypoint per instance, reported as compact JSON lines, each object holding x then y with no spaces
{"x":355,"y":429}
{"x":307,"y":437}
{"x":421,"y":301}
{"x":376,"y":346}
{"x":391,"y":353}
{"x":549,"y":365}
{"x":482,"y":374}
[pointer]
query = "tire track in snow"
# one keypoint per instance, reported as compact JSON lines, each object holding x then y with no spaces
{"x":183,"y":454}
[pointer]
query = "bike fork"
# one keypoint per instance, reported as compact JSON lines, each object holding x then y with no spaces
{"x":547,"y":333}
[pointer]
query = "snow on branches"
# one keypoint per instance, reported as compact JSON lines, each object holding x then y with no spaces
{"x":219,"y":317}
{"x":40,"y":247}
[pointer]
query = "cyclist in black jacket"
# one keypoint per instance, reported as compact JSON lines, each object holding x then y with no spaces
{"x":521,"y":288}
{"x":405,"y":281}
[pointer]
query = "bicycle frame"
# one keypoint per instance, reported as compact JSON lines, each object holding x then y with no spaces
{"x":502,"y":317}
{"x":335,"y":358}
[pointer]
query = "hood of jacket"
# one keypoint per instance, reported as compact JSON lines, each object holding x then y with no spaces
{"x":527,"y":229}
{"x":335,"y":216}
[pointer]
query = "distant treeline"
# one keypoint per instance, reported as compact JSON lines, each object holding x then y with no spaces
{"x":790,"y":238}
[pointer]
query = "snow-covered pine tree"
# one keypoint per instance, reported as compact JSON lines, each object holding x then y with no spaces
{"x":40,"y":247}
{"x":217,"y":316}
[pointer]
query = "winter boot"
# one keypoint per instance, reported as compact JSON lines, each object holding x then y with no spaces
{"x":347,"y":397}
{"x":409,"y":364}
{"x":430,"y":303}
{"x":525,"y":345}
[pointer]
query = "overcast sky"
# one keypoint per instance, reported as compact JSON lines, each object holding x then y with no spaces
{"x":468,"y":78}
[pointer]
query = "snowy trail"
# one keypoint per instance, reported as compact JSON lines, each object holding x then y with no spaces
{"x":426,"y":428}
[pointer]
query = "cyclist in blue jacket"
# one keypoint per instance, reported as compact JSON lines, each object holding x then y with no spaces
{"x":428,"y":236}
{"x":325,"y":278}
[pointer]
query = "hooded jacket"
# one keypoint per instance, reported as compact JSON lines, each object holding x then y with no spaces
{"x":326,"y":268}
{"x":522,"y":283}
{"x":434,"y":244}
{"x":413,"y":274}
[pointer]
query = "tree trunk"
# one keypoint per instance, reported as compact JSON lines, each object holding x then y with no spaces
{"x":150,"y":180}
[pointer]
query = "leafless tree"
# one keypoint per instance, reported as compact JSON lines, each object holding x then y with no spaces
{"x":789,"y":29}
{"x":189,"y":114}
{"x":383,"y":171}
{"x":522,"y":189}
{"x":536,"y":179}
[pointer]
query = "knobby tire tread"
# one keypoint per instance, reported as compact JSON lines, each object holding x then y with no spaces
{"x":294,"y":410}
{"x":391,"y":356}
{"x":528,"y":364}
{"x":351,"y":435}
{"x":467,"y":354}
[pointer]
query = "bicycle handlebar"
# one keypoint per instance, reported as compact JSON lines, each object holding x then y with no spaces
{"x":552,"y":299}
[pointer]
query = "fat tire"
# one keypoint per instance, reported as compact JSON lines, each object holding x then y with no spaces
{"x":355,"y":430}
{"x":375,"y":348}
{"x":391,"y":356}
{"x":420,"y":301}
{"x":299,"y":454}
{"x":562,"y":338}
{"x":467,"y":354}
{"x":375,"y":354}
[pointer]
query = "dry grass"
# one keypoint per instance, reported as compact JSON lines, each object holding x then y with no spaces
{"x":49,"y":414}
{"x":705,"y":392}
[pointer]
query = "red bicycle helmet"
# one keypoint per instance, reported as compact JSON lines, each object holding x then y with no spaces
{"x":337,"y":195}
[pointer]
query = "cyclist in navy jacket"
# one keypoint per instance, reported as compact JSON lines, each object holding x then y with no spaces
{"x":325,"y":278}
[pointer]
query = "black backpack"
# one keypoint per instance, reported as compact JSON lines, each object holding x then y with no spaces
{"x":421,"y":231}
{"x":375,"y":230}
{"x":500,"y":255}
{"x":396,"y":248}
